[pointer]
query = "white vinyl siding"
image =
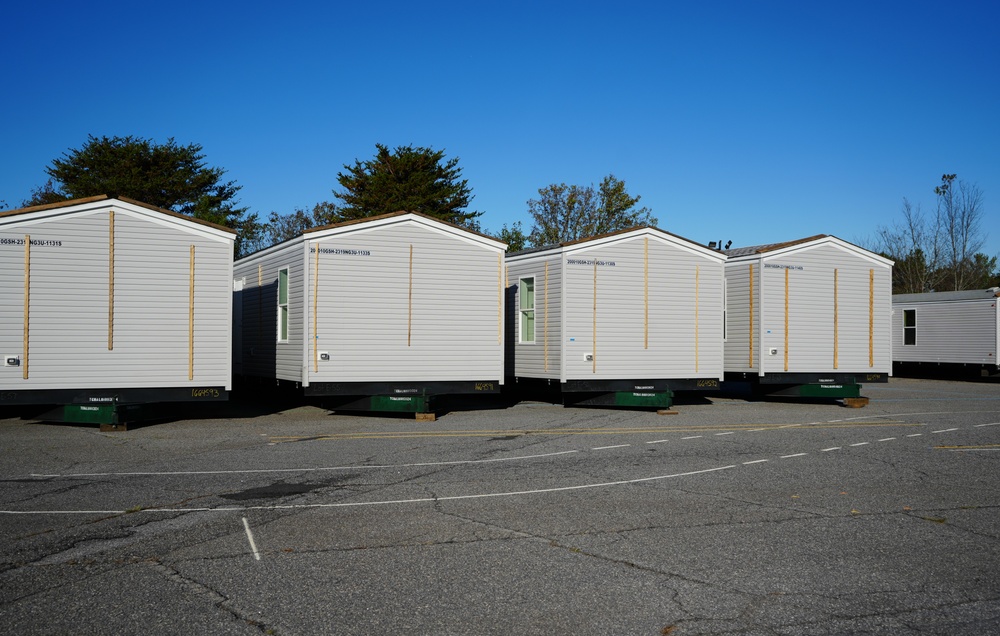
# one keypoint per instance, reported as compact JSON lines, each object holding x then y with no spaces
{"x":959,"y":332}
{"x":403,"y":299}
{"x":541,"y":358}
{"x":70,"y":300}
{"x":660,"y":322}
{"x":838,"y":311}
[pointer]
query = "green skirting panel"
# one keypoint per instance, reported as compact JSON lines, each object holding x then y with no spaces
{"x":90,"y":414}
{"x":823,"y":391}
{"x":651,"y":399}
{"x":403,"y":404}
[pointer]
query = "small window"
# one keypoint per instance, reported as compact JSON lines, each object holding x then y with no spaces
{"x":283,"y":305}
{"x":526,"y":293}
{"x":909,"y":326}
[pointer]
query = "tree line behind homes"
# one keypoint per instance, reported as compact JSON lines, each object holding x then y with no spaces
{"x":940,"y":252}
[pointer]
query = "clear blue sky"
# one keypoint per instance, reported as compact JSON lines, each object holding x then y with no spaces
{"x":746,"y":121}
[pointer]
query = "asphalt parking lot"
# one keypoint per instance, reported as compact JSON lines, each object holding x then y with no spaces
{"x":731,"y":517}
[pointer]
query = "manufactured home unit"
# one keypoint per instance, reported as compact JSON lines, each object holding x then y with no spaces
{"x":108,"y":303}
{"x":390,"y":310}
{"x":622,"y":319}
{"x":947,"y":329}
{"x":808,"y":318}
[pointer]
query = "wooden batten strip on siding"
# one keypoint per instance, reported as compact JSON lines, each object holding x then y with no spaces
{"x":645,"y":293}
{"x":545,"y":320}
{"x":315,"y":333}
{"x":27,"y":298}
{"x":593,"y":354}
{"x":751,"y":316}
{"x":111,"y":280}
{"x":697,"y":275}
{"x":409,"y":307}
{"x":191,"y":318}
{"x":836,"y":316}
{"x":786,"y":320}
{"x":871,"y":318}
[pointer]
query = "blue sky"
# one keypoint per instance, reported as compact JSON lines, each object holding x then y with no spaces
{"x":753,"y":122}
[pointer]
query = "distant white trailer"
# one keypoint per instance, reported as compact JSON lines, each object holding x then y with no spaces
{"x":391,"y":310}
{"x":947,"y":329}
{"x":622,"y":319}
{"x":107,"y":302}
{"x":808,"y":318}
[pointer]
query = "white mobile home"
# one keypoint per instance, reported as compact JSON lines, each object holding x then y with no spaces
{"x":813,"y":315}
{"x":947,"y":328}
{"x":632,"y":316}
{"x":109,"y":301}
{"x":392,"y":309}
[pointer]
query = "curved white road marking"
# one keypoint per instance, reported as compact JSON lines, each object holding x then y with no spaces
{"x":357,"y":504}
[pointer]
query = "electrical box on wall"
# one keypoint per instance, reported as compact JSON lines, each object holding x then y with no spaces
{"x":11,"y":361}
{"x":324,"y":355}
{"x":773,"y":351}
{"x":589,"y":357}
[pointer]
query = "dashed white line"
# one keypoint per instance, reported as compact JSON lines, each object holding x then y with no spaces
{"x":795,"y":455}
{"x":607,"y":447}
{"x":692,"y":437}
{"x":990,"y":424}
{"x":253,"y":545}
{"x":945,"y":430}
{"x":827,"y":450}
{"x":915,"y":435}
{"x":729,"y":433}
{"x":657,"y":441}
{"x":756,"y":461}
{"x":861,"y":444}
{"x":887,"y":439}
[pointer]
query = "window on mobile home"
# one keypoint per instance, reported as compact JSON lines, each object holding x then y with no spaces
{"x":283,"y":305}
{"x":909,"y":326}
{"x":526,"y":291}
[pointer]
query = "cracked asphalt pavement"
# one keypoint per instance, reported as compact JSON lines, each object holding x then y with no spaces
{"x":731,"y":517}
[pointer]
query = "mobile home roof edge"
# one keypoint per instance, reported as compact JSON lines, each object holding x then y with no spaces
{"x":759,"y":251}
{"x":948,"y":296}
{"x":402,"y":213}
{"x":609,"y":235}
{"x":104,"y":197}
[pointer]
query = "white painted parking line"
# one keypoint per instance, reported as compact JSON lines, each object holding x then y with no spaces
{"x":729,"y":433}
{"x":795,"y":455}
{"x":657,"y":441}
{"x":253,"y":545}
{"x":915,"y":435}
{"x":860,"y":444}
{"x":607,"y":447}
{"x":692,"y":437}
{"x":945,"y":430}
{"x":756,"y":461}
{"x":827,"y":450}
{"x":887,"y":439}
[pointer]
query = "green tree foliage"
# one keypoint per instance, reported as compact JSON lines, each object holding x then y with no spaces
{"x":281,"y":227}
{"x":405,"y":179}
{"x":514,"y":237}
{"x":569,"y":212}
{"x":169,"y":176}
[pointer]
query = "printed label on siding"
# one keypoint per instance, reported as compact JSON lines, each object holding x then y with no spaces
{"x":15,"y":242}
{"x":336,"y":251}
{"x":577,"y":261}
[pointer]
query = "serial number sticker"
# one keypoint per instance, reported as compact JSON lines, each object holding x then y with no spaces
{"x":34,"y":242}
{"x":336,"y":251}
